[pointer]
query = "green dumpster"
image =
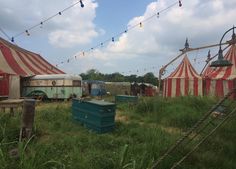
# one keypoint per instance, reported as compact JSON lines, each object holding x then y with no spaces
{"x":96,"y":115}
{"x":126,"y":98}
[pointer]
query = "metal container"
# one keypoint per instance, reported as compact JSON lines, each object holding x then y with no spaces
{"x":96,"y":115}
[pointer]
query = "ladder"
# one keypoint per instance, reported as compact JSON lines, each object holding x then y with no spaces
{"x":195,"y":136}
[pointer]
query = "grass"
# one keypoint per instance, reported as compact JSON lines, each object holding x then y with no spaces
{"x":143,"y":133}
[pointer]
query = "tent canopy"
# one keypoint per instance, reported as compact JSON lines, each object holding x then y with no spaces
{"x":18,"y":61}
{"x":185,"y":70}
{"x":183,"y":81}
{"x":224,"y":73}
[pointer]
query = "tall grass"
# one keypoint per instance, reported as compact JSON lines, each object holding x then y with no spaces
{"x":151,"y":127}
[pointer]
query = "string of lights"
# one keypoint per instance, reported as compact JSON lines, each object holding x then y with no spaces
{"x":40,"y":24}
{"x":139,"y":24}
{"x":4,"y":33}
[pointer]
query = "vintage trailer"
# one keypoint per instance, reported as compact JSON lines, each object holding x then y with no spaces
{"x":57,"y":86}
{"x":93,"y":88}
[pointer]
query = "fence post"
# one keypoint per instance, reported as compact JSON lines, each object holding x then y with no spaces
{"x":27,"y":119}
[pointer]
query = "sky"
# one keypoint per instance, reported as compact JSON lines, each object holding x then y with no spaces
{"x":140,"y":50}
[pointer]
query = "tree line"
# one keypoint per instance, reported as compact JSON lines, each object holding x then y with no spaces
{"x":94,"y":74}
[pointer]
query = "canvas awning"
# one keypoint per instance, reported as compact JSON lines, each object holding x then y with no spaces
{"x":18,"y":61}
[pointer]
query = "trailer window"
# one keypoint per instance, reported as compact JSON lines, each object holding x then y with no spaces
{"x":77,"y":83}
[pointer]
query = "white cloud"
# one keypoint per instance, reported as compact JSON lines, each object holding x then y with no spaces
{"x":202,"y":22}
{"x":76,"y":28}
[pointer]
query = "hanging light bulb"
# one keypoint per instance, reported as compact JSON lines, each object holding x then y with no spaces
{"x":158,"y":14}
{"x":180,"y":3}
{"x":27,"y":32}
{"x":68,"y":60}
{"x":59,"y":13}
{"x":125,"y":31}
{"x":41,"y":24}
{"x":140,"y":25}
{"x":83,"y":53}
{"x":112,"y":39}
{"x":81,"y":3}
{"x":12,"y":39}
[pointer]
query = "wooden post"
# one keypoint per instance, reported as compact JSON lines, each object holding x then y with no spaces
{"x":27,"y":119}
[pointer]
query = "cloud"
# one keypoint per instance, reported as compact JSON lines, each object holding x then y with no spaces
{"x":160,"y":39}
{"x":77,"y":28}
{"x":74,"y":27}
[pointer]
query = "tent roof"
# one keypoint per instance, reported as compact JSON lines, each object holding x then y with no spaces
{"x":16,"y":60}
{"x":185,"y":70}
{"x":226,"y":73}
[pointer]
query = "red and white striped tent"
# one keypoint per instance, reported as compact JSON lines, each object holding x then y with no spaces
{"x":183,"y":81}
{"x":16,"y":62}
{"x":219,"y":81}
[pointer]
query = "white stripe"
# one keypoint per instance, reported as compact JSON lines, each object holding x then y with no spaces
{"x":21,"y":63}
{"x":4,"y":65}
{"x":173,"y":88}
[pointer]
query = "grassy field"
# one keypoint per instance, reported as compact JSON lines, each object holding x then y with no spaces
{"x":143,"y":133}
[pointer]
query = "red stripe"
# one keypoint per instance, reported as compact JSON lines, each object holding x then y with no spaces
{"x":177,"y":92}
{"x":58,"y":70}
{"x":181,"y":70}
{"x":175,"y":72}
{"x":219,"y":91}
{"x":36,"y":63}
{"x":229,"y":56}
{"x":234,"y":54}
{"x":27,"y":64}
{"x":169,"y":87}
{"x":11,"y":60}
{"x":195,"y":86}
{"x":46,"y":64}
{"x":4,"y":85}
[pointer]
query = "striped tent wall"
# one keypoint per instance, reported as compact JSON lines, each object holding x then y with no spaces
{"x":18,"y":61}
{"x":219,"y":81}
{"x":183,"y":81}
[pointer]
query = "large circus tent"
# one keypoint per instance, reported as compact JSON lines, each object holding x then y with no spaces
{"x":183,"y":81}
{"x":16,"y":63}
{"x":219,"y":81}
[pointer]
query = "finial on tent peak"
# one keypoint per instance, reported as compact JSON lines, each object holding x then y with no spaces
{"x":186,"y":45}
{"x":233,"y":35}
{"x":208,"y":56}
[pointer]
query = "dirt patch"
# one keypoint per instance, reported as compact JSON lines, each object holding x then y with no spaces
{"x":122,"y":118}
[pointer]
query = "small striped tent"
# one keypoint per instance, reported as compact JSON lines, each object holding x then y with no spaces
{"x":183,"y":81}
{"x":15,"y":63}
{"x":219,"y":81}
